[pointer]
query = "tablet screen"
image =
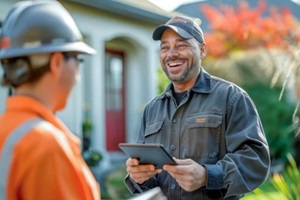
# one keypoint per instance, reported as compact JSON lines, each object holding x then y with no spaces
{"x":148,"y":153}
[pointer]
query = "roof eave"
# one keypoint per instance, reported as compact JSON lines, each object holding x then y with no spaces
{"x":123,"y":9}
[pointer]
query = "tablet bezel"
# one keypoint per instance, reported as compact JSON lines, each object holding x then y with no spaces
{"x":151,"y":153}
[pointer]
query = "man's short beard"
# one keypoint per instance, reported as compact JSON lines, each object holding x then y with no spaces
{"x":179,"y":79}
{"x":183,"y":77}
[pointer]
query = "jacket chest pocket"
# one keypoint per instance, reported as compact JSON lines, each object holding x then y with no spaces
{"x":203,"y":137}
{"x":153,"y":132}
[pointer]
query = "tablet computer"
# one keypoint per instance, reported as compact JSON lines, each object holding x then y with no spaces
{"x":148,"y":154}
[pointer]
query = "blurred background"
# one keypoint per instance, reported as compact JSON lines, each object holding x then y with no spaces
{"x":253,"y":43}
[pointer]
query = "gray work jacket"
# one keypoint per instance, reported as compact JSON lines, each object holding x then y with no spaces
{"x":216,"y":125}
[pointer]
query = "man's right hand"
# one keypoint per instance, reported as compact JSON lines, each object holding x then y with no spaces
{"x":140,"y":173}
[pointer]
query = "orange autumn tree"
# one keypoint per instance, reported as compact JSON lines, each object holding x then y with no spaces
{"x":243,"y":28}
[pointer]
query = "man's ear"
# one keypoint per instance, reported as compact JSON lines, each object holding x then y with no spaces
{"x":203,"y":49}
{"x":56,"y":64}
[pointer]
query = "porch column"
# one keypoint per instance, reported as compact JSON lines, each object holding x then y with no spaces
{"x":97,"y":98}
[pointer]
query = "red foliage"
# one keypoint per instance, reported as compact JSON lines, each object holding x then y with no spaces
{"x":244,"y":28}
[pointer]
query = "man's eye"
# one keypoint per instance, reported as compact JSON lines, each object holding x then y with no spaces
{"x":163,"y":48}
{"x":181,"y":45}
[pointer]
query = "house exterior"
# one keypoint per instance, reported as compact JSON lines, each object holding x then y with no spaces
{"x":120,"y":79}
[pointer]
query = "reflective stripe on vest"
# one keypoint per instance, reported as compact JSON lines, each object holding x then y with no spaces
{"x":8,"y":150}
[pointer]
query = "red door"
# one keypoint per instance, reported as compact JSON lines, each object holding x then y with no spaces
{"x":114,"y":99}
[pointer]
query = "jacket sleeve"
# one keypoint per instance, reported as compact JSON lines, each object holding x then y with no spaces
{"x":247,"y":160}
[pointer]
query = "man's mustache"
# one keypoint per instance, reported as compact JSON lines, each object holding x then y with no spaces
{"x":175,"y":59}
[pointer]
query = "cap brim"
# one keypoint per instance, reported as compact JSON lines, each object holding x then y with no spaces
{"x":161,"y":29}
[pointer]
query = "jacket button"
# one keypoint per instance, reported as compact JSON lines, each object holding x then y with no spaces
{"x":173,"y":187}
{"x":174,"y":120}
{"x":173,"y":147}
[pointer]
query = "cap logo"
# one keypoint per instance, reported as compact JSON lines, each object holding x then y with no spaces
{"x":5,"y":43}
{"x":32,"y":44}
{"x":176,"y":19}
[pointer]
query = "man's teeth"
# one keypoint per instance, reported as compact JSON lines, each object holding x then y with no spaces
{"x":174,"y":64}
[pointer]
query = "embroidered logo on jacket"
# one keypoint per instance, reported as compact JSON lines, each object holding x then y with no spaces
{"x":201,"y":120}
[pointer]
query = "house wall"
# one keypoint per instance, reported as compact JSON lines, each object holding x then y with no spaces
{"x":99,"y":30}
{"x":135,"y":39}
{"x":4,"y":5}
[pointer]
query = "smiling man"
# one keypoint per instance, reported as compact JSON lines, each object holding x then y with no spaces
{"x":210,"y":126}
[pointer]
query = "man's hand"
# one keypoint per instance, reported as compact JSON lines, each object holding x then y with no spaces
{"x":140,"y":173}
{"x":188,"y":174}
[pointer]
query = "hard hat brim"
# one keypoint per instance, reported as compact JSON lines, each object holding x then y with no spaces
{"x":80,"y":47}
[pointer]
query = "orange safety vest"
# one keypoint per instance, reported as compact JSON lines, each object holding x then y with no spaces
{"x":39,"y":157}
{"x":7,"y":151}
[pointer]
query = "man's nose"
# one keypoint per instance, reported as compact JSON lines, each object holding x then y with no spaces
{"x":173,"y":52}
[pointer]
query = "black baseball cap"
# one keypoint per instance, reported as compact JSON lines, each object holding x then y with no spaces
{"x":186,"y":27}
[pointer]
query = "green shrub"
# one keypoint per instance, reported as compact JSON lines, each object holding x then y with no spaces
{"x":283,"y":186}
{"x":288,"y":183}
{"x":92,"y":157}
{"x":115,"y":185}
{"x":276,"y":116}
{"x":163,"y":81}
